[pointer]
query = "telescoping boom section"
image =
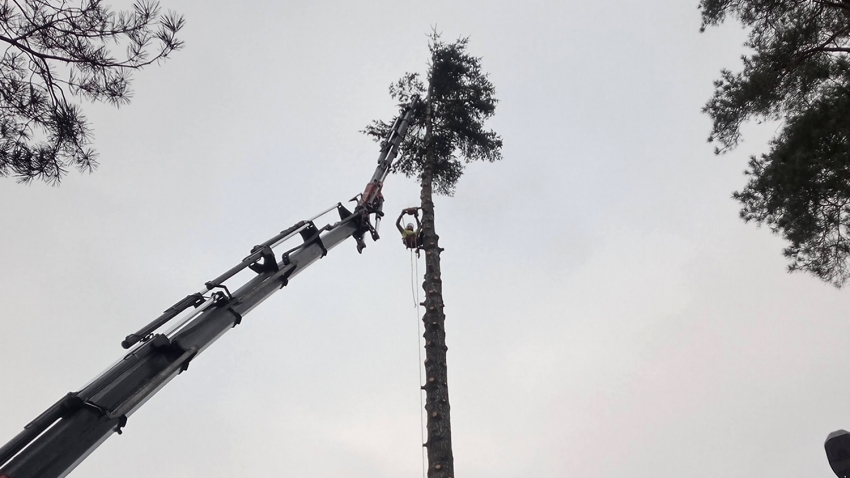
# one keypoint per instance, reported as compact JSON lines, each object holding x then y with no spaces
{"x":66,"y":433}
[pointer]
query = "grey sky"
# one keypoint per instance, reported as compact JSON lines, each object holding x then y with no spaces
{"x":607,"y":312}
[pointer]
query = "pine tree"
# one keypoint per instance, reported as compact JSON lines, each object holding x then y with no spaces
{"x":448,"y":133}
{"x":798,"y":74}
{"x":57,"y":50}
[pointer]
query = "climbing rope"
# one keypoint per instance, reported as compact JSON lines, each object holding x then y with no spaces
{"x":414,"y":274}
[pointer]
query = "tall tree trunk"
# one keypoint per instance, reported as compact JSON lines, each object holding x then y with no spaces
{"x":439,"y":443}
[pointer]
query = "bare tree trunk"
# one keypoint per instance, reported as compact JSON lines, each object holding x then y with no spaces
{"x":439,"y":444}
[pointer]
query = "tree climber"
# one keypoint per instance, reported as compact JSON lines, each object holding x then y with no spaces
{"x":409,"y":236}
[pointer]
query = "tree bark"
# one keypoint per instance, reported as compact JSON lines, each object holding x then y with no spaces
{"x":439,"y":443}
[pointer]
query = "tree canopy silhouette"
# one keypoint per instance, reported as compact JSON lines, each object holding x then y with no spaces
{"x":58,"y":50}
{"x":461,"y":98}
{"x":799,"y":74}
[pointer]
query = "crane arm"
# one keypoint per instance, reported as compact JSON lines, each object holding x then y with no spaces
{"x":53,"y":444}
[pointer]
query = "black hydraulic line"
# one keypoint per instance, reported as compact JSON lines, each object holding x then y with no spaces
{"x":61,"y":437}
{"x":284,"y":233}
{"x":247,"y":261}
{"x":173,"y":311}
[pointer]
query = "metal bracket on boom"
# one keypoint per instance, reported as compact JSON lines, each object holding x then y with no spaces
{"x":159,"y":341}
{"x":345,"y":215}
{"x":223,"y":295}
{"x":269,"y":263}
{"x":238,"y":319}
{"x":122,"y":422}
{"x":312,"y":234}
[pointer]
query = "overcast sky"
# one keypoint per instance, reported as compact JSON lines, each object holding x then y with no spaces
{"x":608,"y":314}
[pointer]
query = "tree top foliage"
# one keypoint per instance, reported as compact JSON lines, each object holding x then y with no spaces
{"x":58,"y":50}
{"x":798,"y":74}
{"x":461,"y":98}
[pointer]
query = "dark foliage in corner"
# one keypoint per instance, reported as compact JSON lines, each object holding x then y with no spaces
{"x":56,"y":51}
{"x":798,"y":74}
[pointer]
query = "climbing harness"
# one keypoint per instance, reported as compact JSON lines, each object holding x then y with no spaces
{"x":410,"y":237}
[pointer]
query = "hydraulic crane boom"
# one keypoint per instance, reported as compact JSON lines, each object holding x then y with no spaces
{"x":55,"y":442}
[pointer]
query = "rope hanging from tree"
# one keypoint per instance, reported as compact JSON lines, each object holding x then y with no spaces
{"x":414,"y":276}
